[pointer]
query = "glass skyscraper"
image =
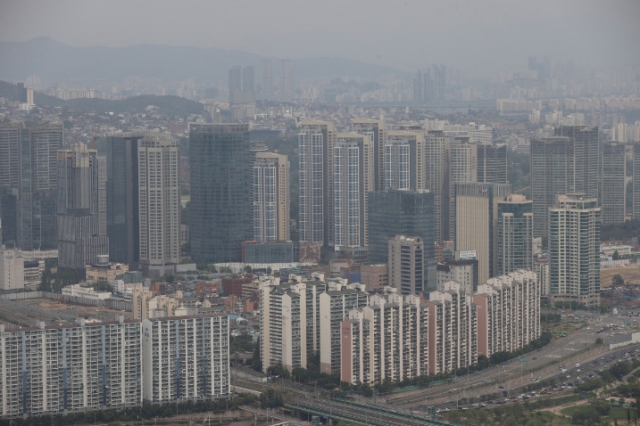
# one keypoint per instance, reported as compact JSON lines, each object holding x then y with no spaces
{"x":408,"y":213}
{"x":221,"y":191}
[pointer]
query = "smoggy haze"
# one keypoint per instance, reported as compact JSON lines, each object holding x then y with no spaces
{"x":488,"y":35}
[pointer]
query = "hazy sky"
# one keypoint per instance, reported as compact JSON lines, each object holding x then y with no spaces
{"x":483,"y":34}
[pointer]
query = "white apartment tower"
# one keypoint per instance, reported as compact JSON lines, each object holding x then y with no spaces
{"x":271,"y":197}
{"x":186,"y":358}
{"x":159,"y":203}
{"x":463,"y":165}
{"x":353,"y":168}
{"x":404,"y":160}
{"x":574,"y":248}
{"x":316,"y":140}
{"x":376,"y":131}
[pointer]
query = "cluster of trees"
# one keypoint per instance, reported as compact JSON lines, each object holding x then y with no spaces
{"x":54,"y":282}
{"x":620,"y":231}
{"x":242,"y":343}
{"x":590,"y":414}
{"x":134,"y":414}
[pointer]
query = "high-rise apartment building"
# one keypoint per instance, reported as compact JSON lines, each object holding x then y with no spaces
{"x":81,"y":207}
{"x":235,"y":83}
{"x":289,"y":322}
{"x":404,"y":159}
{"x":385,"y":340}
{"x":508,"y":312}
{"x":437,"y":151}
{"x":221,"y":191}
{"x":394,"y":213}
{"x":352,"y":182}
{"x":185,"y":358}
{"x":463,"y":164}
{"x":476,"y":223}
{"x":316,"y":140}
{"x":271,"y":197}
{"x":452,"y":329}
{"x":566,"y":163}
{"x":123,"y":221}
{"x":515,"y":234}
{"x":159,"y":204}
{"x":574,"y":248}
{"x":376,"y":131}
{"x":613,"y":191}
{"x":70,"y":368}
{"x":406,"y":264}
{"x":335,"y":304}
{"x":492,"y":163}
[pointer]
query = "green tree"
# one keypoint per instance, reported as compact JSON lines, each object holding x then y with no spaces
{"x":102,"y":285}
{"x":616,"y":255}
{"x":617,"y":279}
{"x":248,"y":269}
{"x":256,"y":361}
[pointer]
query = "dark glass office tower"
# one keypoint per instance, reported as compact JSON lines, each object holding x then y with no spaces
{"x":221,"y":181}
{"x":28,"y":170}
{"x":408,"y":213}
{"x":122,"y":198}
{"x":492,"y":163}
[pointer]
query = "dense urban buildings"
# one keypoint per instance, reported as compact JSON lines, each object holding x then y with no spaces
{"x":221,"y":191}
{"x":492,"y":163}
{"x":514,"y":234}
{"x":574,"y":247}
{"x":462,"y":271}
{"x":81,"y":207}
{"x":566,"y":163}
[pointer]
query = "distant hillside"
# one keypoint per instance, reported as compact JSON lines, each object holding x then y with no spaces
{"x":57,"y":63}
{"x":167,"y":105}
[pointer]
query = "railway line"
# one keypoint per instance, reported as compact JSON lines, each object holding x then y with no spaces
{"x":362,"y":414}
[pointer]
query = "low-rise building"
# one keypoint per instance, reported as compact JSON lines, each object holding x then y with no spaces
{"x":85,"y":292}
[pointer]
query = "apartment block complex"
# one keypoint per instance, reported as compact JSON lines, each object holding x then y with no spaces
{"x":68,"y":368}
{"x":387,"y":339}
{"x":185,"y":358}
{"x":404,"y":160}
{"x":508,"y":312}
{"x":289,"y":322}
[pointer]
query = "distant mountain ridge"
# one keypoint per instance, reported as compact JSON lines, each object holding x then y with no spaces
{"x":167,"y":105}
{"x":57,"y":62}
